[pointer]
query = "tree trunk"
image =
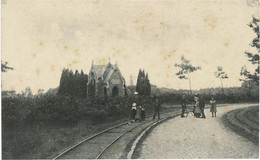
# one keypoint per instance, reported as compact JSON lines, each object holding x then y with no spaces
{"x":222,"y":86}
{"x":189,"y":82}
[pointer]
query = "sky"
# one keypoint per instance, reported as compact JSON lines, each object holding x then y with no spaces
{"x":40,"y":38}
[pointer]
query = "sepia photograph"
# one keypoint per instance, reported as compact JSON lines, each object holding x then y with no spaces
{"x":130,"y":79}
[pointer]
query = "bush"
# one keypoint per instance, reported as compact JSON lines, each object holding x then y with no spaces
{"x":22,"y":118}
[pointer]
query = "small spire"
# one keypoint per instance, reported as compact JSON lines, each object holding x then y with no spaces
{"x":92,"y":62}
{"x":108,"y":59}
{"x":116,"y":63}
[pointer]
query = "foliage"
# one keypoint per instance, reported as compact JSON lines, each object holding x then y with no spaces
{"x":73,"y":85}
{"x":143,"y":86}
{"x":253,"y":57}
{"x":24,"y":118}
{"x":185,"y":69}
{"x":247,"y":80}
{"x":221,"y":75}
{"x":91,"y":89}
{"x":5,"y":67}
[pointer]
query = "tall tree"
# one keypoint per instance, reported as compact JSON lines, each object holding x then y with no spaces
{"x":247,"y":82}
{"x":77,"y":87}
{"x":147,"y":85}
{"x":125,"y":89}
{"x":83,"y":84}
{"x":221,"y":75}
{"x":40,"y":92}
{"x":91,"y":89}
{"x":5,"y":67}
{"x":74,"y":85}
{"x":64,"y":83}
{"x":62,"y":79}
{"x":138,"y":83}
{"x":71,"y":84}
{"x":28,"y":92}
{"x":143,"y":86}
{"x":186,"y":68}
{"x":253,"y":57}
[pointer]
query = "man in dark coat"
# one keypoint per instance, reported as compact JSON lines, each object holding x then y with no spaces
{"x":183,"y":105}
{"x":202,"y":106}
{"x":156,"y":108}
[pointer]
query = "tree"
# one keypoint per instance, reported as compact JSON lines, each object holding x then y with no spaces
{"x":5,"y":67}
{"x":77,"y":86}
{"x":139,"y":88}
{"x":27,"y":92}
{"x":63,"y":88}
{"x":143,"y":86}
{"x":73,"y":85}
{"x":221,"y":75}
{"x":147,"y":85}
{"x":253,"y":57}
{"x":83,"y":85}
{"x":92,"y":88}
{"x":125,"y":89}
{"x":40,"y":92}
{"x":186,"y":69}
{"x":247,"y":82}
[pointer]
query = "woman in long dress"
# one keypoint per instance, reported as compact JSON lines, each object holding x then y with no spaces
{"x":197,"y":111}
{"x":213,"y":108}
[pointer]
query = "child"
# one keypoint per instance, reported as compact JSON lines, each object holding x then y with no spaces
{"x":213,"y":108}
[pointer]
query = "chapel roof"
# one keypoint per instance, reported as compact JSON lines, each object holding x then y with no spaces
{"x":99,"y":69}
{"x":105,"y":71}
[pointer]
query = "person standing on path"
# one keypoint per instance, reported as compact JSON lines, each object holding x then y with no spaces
{"x":196,"y":109}
{"x":133,"y":112}
{"x":202,"y":106}
{"x":142,"y":113}
{"x":213,"y":108}
{"x":134,"y":105}
{"x":138,"y":113}
{"x":156,"y":108}
{"x":183,"y":105}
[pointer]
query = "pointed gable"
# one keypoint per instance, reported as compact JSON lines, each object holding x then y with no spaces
{"x":98,"y":70}
{"x":114,"y":75}
{"x":109,"y":73}
{"x":109,"y":68}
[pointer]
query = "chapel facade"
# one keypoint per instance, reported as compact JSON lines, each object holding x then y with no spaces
{"x":107,"y":79}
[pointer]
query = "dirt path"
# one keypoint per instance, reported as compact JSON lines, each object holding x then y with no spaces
{"x":197,"y":138}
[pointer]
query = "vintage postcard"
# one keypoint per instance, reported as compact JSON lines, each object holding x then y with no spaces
{"x":130,"y":79}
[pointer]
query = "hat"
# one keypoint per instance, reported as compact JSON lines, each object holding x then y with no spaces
{"x":134,"y":104}
{"x":136,"y":93}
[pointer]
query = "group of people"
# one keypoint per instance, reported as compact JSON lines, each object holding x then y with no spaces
{"x":199,"y":106}
{"x":138,"y":112}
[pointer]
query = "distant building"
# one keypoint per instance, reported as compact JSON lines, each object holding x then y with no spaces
{"x":107,"y":79}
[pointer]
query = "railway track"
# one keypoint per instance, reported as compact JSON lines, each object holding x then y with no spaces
{"x":244,"y":122}
{"x":96,"y":145}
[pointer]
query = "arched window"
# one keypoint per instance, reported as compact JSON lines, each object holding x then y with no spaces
{"x":115,"y":91}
